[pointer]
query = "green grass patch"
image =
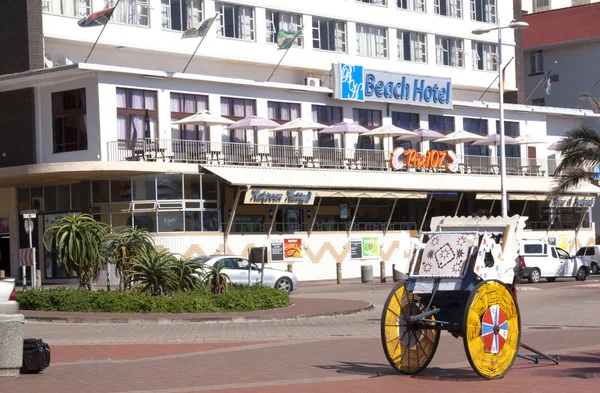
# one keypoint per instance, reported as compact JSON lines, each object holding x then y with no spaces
{"x":75,"y":300}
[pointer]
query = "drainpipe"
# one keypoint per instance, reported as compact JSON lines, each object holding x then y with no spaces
{"x":426,"y":210}
{"x":354,"y":216}
{"x":232,"y":218}
{"x":312,"y":224}
{"x":387,"y":226}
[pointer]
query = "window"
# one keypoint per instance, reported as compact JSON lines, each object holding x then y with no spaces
{"x":371,"y":41}
{"x":411,"y":5}
{"x":236,"y":109}
{"x":235,"y":21}
{"x":537,"y":62}
{"x":327,"y":115}
{"x":370,"y":119}
{"x":282,"y":112}
{"x":443,"y":124}
{"x":137,"y":114}
{"x":408,"y":121}
{"x":452,"y":8}
{"x":511,"y":128}
{"x":77,"y":8}
{"x":449,"y":51}
{"x":479,"y":127}
{"x":485,"y":56}
{"x":184,"y":105}
{"x":282,"y":20}
{"x":412,"y":46}
{"x":181,"y":14}
{"x":541,"y":5}
{"x":131,"y":12}
{"x":329,"y":34}
{"x":538,"y":102}
{"x":591,"y":251}
{"x":69,"y":131}
{"x":375,"y":2}
{"x":533,"y":249}
{"x":483,"y":10}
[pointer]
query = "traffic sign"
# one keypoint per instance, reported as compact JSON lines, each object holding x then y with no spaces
{"x":26,"y":256}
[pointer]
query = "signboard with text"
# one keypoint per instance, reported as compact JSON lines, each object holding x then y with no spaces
{"x":573,"y":201}
{"x":286,"y":250}
{"x":260,"y":196}
{"x":364,"y":248}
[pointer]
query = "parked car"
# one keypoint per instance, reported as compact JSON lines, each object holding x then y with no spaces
{"x":591,"y":255}
{"x":8,"y":300}
{"x":538,"y":259}
{"x":236,"y":267}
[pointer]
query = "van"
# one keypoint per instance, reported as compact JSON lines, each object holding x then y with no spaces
{"x":538,"y":259}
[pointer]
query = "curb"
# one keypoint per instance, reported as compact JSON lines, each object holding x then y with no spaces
{"x":207,"y":320}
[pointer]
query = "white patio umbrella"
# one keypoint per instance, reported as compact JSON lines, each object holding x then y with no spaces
{"x":343,"y":129}
{"x":494,"y":140}
{"x":458,"y":137}
{"x":387,"y":131}
{"x":421,"y":135}
{"x":204,"y":118}
{"x":299,"y":125}
{"x":528,"y":140}
{"x":254,"y":123}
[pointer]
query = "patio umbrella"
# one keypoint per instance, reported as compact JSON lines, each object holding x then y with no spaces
{"x":494,"y":140}
{"x":388,"y":130}
{"x":204,"y":118}
{"x":343,"y":129}
{"x":458,"y":137}
{"x":421,"y":135}
{"x":299,"y":125}
{"x":254,"y":123}
{"x":527,"y":140}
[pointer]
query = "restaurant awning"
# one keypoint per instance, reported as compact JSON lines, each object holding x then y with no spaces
{"x":527,"y":197}
{"x":489,"y":197}
{"x":369,"y":194}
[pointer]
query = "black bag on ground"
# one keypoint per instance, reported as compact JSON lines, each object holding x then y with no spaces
{"x":36,"y":356}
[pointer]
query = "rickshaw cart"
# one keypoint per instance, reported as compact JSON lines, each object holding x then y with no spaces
{"x":460,"y":279}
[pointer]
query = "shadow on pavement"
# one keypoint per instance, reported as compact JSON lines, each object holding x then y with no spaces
{"x":372,"y":369}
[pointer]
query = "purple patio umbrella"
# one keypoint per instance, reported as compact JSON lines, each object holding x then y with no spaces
{"x":494,"y":140}
{"x":421,"y":135}
{"x":343,"y":129}
{"x":254,"y":123}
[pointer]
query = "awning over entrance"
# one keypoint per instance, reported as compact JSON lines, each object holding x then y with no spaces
{"x":370,"y":194}
{"x":383,"y":180}
{"x":489,"y":197}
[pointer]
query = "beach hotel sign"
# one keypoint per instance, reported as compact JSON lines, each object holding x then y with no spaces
{"x":356,"y":83}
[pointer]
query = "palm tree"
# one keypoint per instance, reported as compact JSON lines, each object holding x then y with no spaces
{"x":580,"y":152}
{"x":152,"y":272}
{"x":217,"y":280}
{"x":125,"y":245}
{"x":78,"y":240}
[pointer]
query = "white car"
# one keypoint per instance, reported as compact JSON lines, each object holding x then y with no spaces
{"x":236,"y":267}
{"x":539,"y":259}
{"x":591,"y":255}
{"x":8,"y":302}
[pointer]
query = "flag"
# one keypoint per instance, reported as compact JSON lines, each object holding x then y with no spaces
{"x":547,"y":84}
{"x":201,"y":30}
{"x":285,"y":39}
{"x":99,"y":18}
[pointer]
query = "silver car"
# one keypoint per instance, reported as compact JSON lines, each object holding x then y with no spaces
{"x":8,"y":302}
{"x":236,"y":267}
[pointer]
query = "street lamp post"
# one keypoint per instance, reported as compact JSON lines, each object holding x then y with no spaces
{"x":516,"y":25}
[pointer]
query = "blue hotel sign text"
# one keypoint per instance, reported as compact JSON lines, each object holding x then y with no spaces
{"x":358,"y":84}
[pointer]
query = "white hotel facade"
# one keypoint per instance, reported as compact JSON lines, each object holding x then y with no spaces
{"x":192,"y":187}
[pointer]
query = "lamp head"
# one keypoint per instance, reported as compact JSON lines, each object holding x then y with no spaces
{"x":518,"y":25}
{"x":270,"y":212}
{"x":482,"y":30}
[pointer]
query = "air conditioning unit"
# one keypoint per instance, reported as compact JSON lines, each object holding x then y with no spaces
{"x":312,"y":82}
{"x":37,"y":203}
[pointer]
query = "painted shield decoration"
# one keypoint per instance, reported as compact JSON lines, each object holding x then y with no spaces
{"x":494,"y":329}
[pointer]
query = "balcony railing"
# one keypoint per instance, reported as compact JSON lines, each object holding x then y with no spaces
{"x":230,"y":153}
{"x":332,"y":226}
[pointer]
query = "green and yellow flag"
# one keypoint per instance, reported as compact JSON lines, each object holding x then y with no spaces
{"x":285,"y":39}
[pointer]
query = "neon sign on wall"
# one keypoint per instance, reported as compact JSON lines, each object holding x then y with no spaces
{"x":432,"y":159}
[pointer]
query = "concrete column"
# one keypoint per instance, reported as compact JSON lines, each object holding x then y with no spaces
{"x":11,"y":344}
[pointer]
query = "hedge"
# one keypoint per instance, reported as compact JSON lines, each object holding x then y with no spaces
{"x":76,"y":300}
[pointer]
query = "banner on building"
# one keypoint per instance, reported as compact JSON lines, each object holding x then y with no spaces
{"x":364,"y":248}
{"x":259,"y":196}
{"x":286,"y":250}
{"x":573,"y":201}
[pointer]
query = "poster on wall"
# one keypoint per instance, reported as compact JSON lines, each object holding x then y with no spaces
{"x":364,"y":248}
{"x":286,"y":250}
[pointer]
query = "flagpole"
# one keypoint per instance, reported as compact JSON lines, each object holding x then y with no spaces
{"x":200,"y":43}
{"x":102,"y":31}
{"x":286,"y":51}
{"x":539,"y":83}
{"x":486,"y":90}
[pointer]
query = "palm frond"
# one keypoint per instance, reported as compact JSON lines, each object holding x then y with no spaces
{"x":569,"y":179}
{"x":593,"y":100}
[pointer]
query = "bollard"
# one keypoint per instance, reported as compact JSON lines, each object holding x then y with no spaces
{"x":394,"y":274}
{"x":290,"y":267}
{"x":339,"y":272}
{"x":2,"y":274}
{"x":382,"y":263}
{"x":38,"y":279}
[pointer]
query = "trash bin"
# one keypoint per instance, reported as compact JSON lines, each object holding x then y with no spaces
{"x":11,"y":344}
{"x":366,"y":273}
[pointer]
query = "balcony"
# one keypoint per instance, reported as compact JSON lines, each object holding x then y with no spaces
{"x":229,"y":153}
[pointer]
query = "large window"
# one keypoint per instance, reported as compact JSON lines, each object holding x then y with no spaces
{"x":408,"y":121}
{"x":511,"y":128}
{"x":452,"y":8}
{"x":329,"y":34}
{"x":236,"y":109}
{"x":77,"y":8}
{"x":235,"y":21}
{"x":412,"y":5}
{"x":371,"y":40}
{"x":483,"y":10}
{"x":282,"y":112}
{"x":277,"y":20}
{"x":370,"y":119}
{"x":69,"y":130}
{"x":137,"y":114}
{"x":375,"y":2}
{"x":449,"y":51}
{"x":181,"y":14}
{"x":485,"y":56}
{"x":326,"y":115}
{"x":444,"y":125}
{"x":479,"y":127}
{"x":131,"y":12}
{"x":184,"y":105}
{"x":412,"y":46}
{"x":537,"y":62}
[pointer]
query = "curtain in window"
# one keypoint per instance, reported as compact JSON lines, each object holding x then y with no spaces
{"x":295,"y":112}
{"x":340,"y":37}
{"x":121,"y":98}
{"x":272,"y":107}
{"x":249,"y":108}
{"x":137,"y":99}
{"x":175,"y":104}
{"x":315,"y":114}
{"x":189,"y":103}
{"x":202,"y":104}
{"x":137,"y":127}
{"x":247,"y":32}
{"x":238,"y":108}
{"x":225,"y":107}
{"x":122,"y":127}
{"x":150,"y":101}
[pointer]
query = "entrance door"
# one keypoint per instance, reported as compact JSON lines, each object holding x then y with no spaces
{"x":5,"y":254}
{"x":532,"y":160}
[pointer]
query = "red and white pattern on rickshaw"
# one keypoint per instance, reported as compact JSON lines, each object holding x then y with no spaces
{"x":494,"y":329}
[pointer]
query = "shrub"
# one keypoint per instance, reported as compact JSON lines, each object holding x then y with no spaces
{"x":199,"y":301}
